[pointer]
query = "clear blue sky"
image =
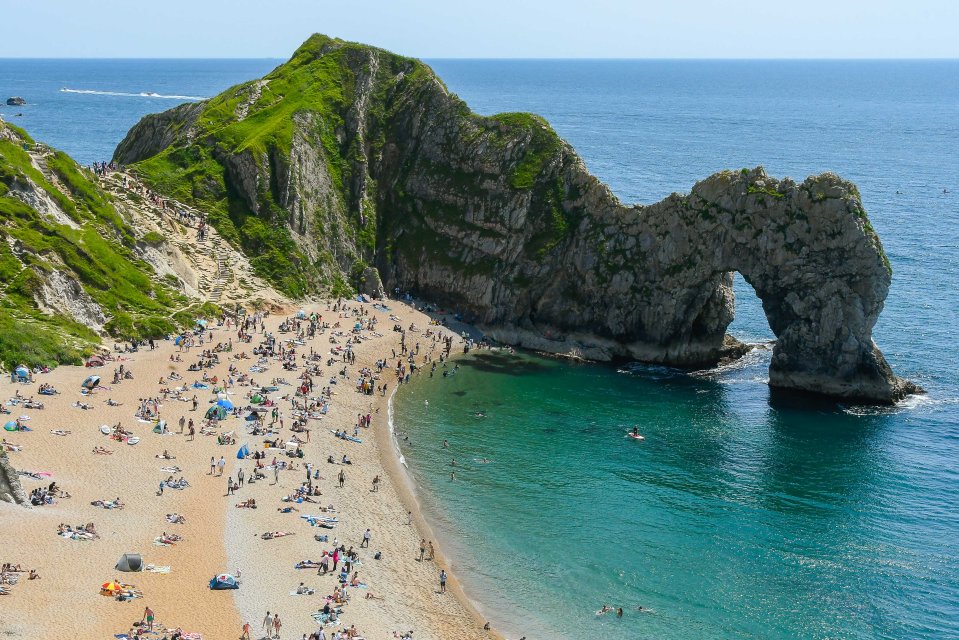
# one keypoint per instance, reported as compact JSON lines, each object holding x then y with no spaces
{"x":486,"y":28}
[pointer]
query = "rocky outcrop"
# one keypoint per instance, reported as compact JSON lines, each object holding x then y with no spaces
{"x":10,"y":488}
{"x":16,"y":101}
{"x":362,"y":159}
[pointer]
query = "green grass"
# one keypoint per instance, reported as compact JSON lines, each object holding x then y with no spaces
{"x":98,"y":254}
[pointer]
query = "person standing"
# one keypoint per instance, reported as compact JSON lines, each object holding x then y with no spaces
{"x":442,"y":580}
{"x":182,"y":423}
{"x":221,"y":464}
{"x":239,"y":477}
{"x":147,"y":618}
{"x":267,"y":623}
{"x":366,"y":539}
{"x":276,"y":625}
{"x":229,"y":486}
{"x":422,"y":548}
{"x":342,"y":478}
{"x":212,"y":465}
{"x":246,"y":631}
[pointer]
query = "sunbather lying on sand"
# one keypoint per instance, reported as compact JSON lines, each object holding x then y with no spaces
{"x":269,"y":535}
{"x":102,"y":451}
{"x":166,"y":455}
{"x":108,"y":504}
{"x":248,"y":504}
{"x":175,"y":518}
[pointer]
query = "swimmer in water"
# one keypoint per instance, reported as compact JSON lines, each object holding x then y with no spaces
{"x":635,"y":431}
{"x":446,"y":444}
{"x":453,"y":462}
{"x":619,"y":612}
{"x":606,"y":609}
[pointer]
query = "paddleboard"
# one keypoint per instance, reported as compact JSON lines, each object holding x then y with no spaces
{"x":105,"y":430}
{"x":635,"y":436}
{"x":133,"y":440}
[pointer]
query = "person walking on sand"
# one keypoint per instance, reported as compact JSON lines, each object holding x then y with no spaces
{"x":366,"y":539}
{"x":212,"y":465}
{"x":229,"y":486}
{"x":147,"y":618}
{"x":276,"y":625}
{"x":422,"y":548}
{"x":267,"y":623}
{"x":276,"y":472}
{"x":342,"y":478}
{"x":221,"y":464}
{"x":192,"y":431}
{"x":239,"y":477}
{"x":432,"y":552}
{"x":246,"y":632}
{"x":442,"y":580}
{"x":160,"y":492}
{"x":182,"y":423}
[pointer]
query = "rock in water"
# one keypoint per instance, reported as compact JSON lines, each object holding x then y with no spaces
{"x":349,"y":160}
{"x":16,"y":101}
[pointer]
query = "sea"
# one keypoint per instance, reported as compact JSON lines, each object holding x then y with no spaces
{"x":739,"y":515}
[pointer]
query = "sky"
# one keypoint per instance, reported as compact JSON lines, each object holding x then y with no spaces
{"x":485,"y":29}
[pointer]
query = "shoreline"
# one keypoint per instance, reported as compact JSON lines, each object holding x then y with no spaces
{"x":407,"y":489}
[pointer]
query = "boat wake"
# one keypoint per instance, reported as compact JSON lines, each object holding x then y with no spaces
{"x":142,"y":94}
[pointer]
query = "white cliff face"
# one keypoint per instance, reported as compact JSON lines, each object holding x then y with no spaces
{"x":498,"y":218}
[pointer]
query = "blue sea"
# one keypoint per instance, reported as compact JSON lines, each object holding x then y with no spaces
{"x":737,"y":517}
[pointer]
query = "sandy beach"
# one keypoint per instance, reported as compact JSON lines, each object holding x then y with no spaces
{"x":217,"y":536}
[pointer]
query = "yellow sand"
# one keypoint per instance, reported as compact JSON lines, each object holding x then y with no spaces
{"x":218,"y":537}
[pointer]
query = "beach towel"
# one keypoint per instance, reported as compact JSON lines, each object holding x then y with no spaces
{"x":154,"y":569}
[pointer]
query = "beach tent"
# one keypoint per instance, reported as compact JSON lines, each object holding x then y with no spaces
{"x":95,"y":361}
{"x":301,"y":314}
{"x":130,"y":562}
{"x":22,"y":372}
{"x":224,"y":581}
{"x":256,"y":399}
{"x":362,"y":298}
{"x":91,"y":382}
{"x":201,"y":324}
{"x":216,"y":412}
{"x":243,"y":452}
{"x":178,"y":340}
{"x":225,"y":403}
{"x":10,"y":426}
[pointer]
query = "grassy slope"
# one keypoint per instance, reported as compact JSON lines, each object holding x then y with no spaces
{"x":319,"y":79}
{"x":99,"y":255}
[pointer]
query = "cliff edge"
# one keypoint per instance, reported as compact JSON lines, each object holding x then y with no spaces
{"x":352,"y":168}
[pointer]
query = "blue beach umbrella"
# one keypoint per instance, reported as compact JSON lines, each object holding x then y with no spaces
{"x":22,"y":371}
{"x":225,"y":403}
{"x":91,"y":382}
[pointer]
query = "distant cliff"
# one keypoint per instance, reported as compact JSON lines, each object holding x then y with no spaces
{"x":352,"y":167}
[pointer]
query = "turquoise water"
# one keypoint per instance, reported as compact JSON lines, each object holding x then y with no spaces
{"x":734,"y":519}
{"x":738,"y":517}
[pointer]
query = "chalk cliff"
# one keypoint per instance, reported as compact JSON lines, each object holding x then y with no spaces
{"x":350,"y":167}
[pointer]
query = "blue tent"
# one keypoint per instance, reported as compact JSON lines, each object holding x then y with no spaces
{"x":224,"y":581}
{"x":201,"y":324}
{"x":200,"y":385}
{"x":91,"y":382}
{"x":177,"y":340}
{"x":301,"y":314}
{"x":22,"y":372}
{"x":243,"y":452}
{"x":225,"y":403}
{"x":10,"y":426}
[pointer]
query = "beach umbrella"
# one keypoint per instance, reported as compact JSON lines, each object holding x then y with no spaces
{"x":10,"y":426}
{"x":22,"y":372}
{"x":91,"y":382}
{"x":225,"y":403}
{"x":111,"y":587}
{"x":177,"y":340}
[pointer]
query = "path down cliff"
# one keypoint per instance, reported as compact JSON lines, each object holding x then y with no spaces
{"x":350,"y":167}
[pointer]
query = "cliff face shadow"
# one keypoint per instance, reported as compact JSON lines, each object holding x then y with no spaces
{"x":502,"y":363}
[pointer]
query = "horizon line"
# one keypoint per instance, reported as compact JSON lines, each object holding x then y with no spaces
{"x":524,"y":59}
